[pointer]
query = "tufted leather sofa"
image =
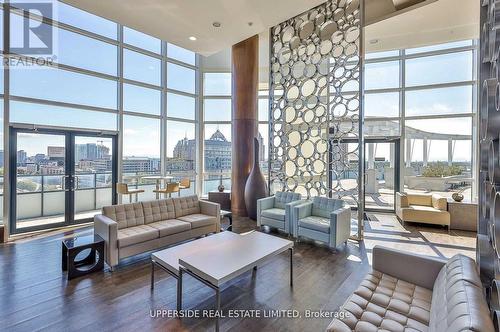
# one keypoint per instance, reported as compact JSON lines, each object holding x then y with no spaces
{"x":276,"y":211}
{"x":130,"y":229}
{"x":408,"y":292}
{"x":323,"y":219}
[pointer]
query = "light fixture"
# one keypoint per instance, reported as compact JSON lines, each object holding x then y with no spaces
{"x":216,"y":24}
{"x":193,"y":38}
{"x":374,"y":41}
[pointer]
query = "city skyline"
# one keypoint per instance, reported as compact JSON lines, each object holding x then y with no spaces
{"x":93,"y":155}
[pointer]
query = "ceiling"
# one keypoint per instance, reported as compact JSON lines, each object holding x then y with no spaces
{"x":177,"y":20}
{"x":433,"y":23}
{"x":426,"y":23}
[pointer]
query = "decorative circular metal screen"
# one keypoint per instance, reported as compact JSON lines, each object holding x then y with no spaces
{"x":488,"y":239}
{"x":314,"y":92}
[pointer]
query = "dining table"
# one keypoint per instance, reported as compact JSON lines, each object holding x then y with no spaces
{"x":158,"y":179}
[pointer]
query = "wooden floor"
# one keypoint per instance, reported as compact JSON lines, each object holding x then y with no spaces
{"x":35,"y":294}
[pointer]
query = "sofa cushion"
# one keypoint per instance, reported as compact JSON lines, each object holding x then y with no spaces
{"x":458,"y":302}
{"x":324,"y":206}
{"x":278,"y":214}
{"x":420,"y":199}
{"x":283,"y":198}
{"x":136,"y":234}
{"x":171,"y":226}
{"x":199,"y":220}
{"x":439,"y":202}
{"x":158,"y":210}
{"x":425,"y":214}
{"x":186,"y":205}
{"x":319,"y":224}
{"x":126,"y":215}
{"x":383,"y":302}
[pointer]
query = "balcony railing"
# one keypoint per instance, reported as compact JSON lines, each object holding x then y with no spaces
{"x":41,"y":196}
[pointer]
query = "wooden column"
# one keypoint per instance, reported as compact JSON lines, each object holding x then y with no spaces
{"x":245,"y":73}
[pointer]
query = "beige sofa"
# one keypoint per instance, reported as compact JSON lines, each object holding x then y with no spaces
{"x":423,"y":208}
{"x":408,"y":292}
{"x":135,"y":228}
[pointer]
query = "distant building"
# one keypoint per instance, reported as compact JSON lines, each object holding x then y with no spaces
{"x":95,"y":166}
{"x":56,"y":152}
{"x":141,"y":165}
{"x":1,"y":158}
{"x":262,"y":148}
{"x":101,"y":165}
{"x":217,"y":153}
{"x":52,"y":169}
{"x":179,"y":165}
{"x":91,"y":151}
{"x":21,"y":156}
{"x":38,"y":157}
{"x":31,"y":168}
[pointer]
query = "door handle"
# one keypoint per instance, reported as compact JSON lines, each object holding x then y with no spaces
{"x":63,"y":182}
{"x":76,"y":183}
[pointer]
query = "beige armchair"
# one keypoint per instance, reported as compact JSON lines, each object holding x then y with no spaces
{"x":422,"y":208}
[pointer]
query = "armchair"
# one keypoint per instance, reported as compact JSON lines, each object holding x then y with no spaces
{"x":324,"y":219}
{"x":275,"y":211}
{"x":422,"y":208}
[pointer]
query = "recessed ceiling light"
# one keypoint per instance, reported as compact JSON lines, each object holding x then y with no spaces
{"x":216,"y":24}
{"x":373,"y":41}
{"x":192,"y":38}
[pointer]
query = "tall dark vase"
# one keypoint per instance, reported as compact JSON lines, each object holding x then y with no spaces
{"x":256,"y":186}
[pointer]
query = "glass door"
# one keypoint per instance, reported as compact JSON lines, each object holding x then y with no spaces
{"x":59,"y":178}
{"x":381,"y":174}
{"x":40,"y":181}
{"x":93,"y":187}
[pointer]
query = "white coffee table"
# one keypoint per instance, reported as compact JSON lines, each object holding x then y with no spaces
{"x":218,"y":258}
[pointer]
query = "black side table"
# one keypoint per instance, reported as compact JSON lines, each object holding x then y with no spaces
{"x":92,"y":263}
{"x":223,"y":198}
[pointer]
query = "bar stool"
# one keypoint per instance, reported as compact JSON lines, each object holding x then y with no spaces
{"x":172,"y":187}
{"x":122,"y":189}
{"x":184,"y":184}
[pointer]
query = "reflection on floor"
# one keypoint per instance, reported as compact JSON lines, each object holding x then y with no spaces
{"x":384,"y":199}
{"x":36,"y":294}
{"x":384,"y":229}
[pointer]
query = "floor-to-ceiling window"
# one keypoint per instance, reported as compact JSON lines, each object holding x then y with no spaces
{"x":78,"y":90}
{"x":426,"y":96}
{"x":142,"y":91}
{"x":217,"y":130}
{"x":182,"y":118}
{"x":105,"y":77}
